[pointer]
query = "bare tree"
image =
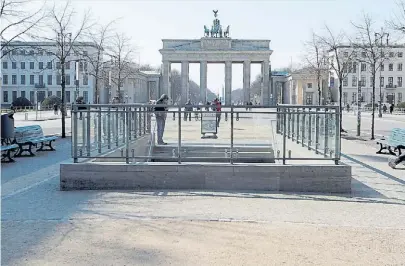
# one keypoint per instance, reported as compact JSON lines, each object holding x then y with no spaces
{"x":17,"y":21}
{"x":338,"y":60}
{"x":65,"y":38}
{"x":371,"y":53}
{"x":317,"y":61}
{"x":98,"y":36}
{"x":122,"y":66}
{"x":397,"y":22}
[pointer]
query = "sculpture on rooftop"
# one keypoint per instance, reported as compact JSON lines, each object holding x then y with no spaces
{"x":216,"y":28}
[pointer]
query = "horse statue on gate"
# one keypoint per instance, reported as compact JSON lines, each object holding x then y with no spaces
{"x":206,"y":31}
{"x":216,"y":29}
{"x":226,"y":32}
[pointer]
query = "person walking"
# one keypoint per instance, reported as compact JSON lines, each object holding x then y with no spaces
{"x":391,"y":108}
{"x":55,"y":109}
{"x":188,"y":110}
{"x":217,"y":105}
{"x":161,"y":114}
{"x":394,"y":161}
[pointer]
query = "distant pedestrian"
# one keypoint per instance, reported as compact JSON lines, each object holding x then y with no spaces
{"x":55,"y":109}
{"x":161,"y":114}
{"x":188,"y":110}
{"x":217,"y":105}
{"x":384,"y":108}
{"x":391,"y":108}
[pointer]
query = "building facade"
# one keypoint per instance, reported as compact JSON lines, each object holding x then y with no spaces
{"x":389,"y":76}
{"x":31,"y":70}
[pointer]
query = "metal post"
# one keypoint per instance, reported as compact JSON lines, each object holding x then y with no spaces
{"x":144,"y":120}
{"x":179,"y":137}
{"x":358,"y":105}
{"x":303,"y":128}
{"x":337,"y":135}
{"x":309,"y":129}
{"x":288,"y":122}
{"x":129,"y":123}
{"x":317,"y":131}
{"x":135,"y":122}
{"x":74,"y":127}
{"x":298,"y":125}
{"x":293,"y":125}
{"x":126,"y":125}
{"x":88,"y":145}
{"x":99,"y":130}
{"x":284,"y":135}
{"x":116,"y":127}
{"x":231,"y":150}
{"x":109,"y":128}
{"x":140,"y":121}
{"x":326,"y":132}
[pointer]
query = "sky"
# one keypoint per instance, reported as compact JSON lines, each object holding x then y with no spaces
{"x":288,"y":24}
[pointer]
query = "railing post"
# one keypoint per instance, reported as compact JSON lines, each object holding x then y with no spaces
{"x":144,"y":120}
{"x":231,"y":149}
{"x":289,"y":123}
{"x":109,"y":128}
{"x":293,"y":124}
{"x":127,"y":113}
{"x":99,"y":139}
{"x":88,"y":145}
{"x":284,"y":134}
{"x":116,"y":127}
{"x":337,"y":136}
{"x":135,"y":118}
{"x":140,"y":121}
{"x":179,"y":136}
{"x":316,"y":131}
{"x":75,"y":133}
{"x":326,"y":132}
{"x":149,"y":120}
{"x":298,"y":125}
{"x":303,"y":127}
{"x":309,"y":128}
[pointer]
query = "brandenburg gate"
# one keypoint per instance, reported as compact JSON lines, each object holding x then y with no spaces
{"x":216,"y":47}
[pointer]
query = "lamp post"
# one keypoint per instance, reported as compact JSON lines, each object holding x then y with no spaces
{"x":380,"y":36}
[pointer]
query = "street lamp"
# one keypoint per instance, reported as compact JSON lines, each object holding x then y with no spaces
{"x":381,"y":36}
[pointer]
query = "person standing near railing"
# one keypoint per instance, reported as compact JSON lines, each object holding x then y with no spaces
{"x":161,"y":114}
{"x":217,"y":107}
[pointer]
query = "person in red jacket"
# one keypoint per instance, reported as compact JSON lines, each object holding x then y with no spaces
{"x":217,"y":104}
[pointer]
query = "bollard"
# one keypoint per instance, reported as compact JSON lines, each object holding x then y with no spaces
{"x":289,"y":154}
{"x":237,"y":116}
{"x":174,"y":116}
{"x":26,"y":116}
{"x":226,"y":116}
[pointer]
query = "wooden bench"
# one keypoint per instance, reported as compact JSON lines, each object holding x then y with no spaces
{"x":393,"y":142}
{"x":31,"y":136}
{"x":6,"y":153}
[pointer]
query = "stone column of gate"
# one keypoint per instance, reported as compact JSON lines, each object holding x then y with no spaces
{"x":184,"y":81}
{"x":266,"y":83}
{"x":246,"y":81}
{"x":203,"y":82}
{"x":228,"y":82}
{"x":166,"y":79}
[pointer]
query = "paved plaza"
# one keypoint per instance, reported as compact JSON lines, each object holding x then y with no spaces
{"x":42,"y":225}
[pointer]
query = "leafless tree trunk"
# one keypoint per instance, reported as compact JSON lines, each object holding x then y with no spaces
{"x":17,"y":22}
{"x":316,"y":59}
{"x":99,"y":36}
{"x":370,"y":53}
{"x":61,"y":22}
{"x":338,"y":61}
{"x":122,"y":66}
{"x":397,"y":22}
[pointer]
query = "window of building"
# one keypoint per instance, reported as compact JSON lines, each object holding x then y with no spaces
{"x":40,"y":52}
{"x":86,"y":80}
{"x":363,"y":54}
{"x":14,"y":95}
{"x":49,"y":93}
{"x":49,"y":80}
{"x":41,"y":79}
{"x":382,"y":81}
{"x":32,"y":96}
{"x":49,"y":65}
{"x":399,"y":97}
{"x":391,"y":67}
{"x":23,"y":94}
{"x":354,"y":67}
{"x":32,"y":79}
{"x":345,"y":98}
{"x":5,"y":96}
{"x":31,"y":65}
{"x":390,"y":81}
{"x":59,"y":94}
{"x":309,"y":85}
{"x":31,"y":52}
{"x":399,"y":82}
{"x":58,"y":79}
{"x":400,"y":54}
{"x":5,"y":79}
{"x":354,"y":81}
{"x":350,"y":67}
{"x":81,"y":66}
{"x":363,"y":67}
{"x":68,"y":96}
{"x":14,"y":79}
{"x":399,"y":67}
{"x":57,"y":65}
{"x":391,"y":54}
{"x":14,"y":65}
{"x":86,"y":97}
{"x":14,"y":52}
{"x":22,"y":52}
{"x":345,"y":82}
{"x":22,"y":79}
{"x":85,"y":66}
{"x":67,"y":65}
{"x":5,"y":65}
{"x":41,"y":65}
{"x":371,"y":81}
{"x":363,"y":97}
{"x":382,"y":67}
{"x":363,"y":81}
{"x":85,"y":53}
{"x":49,"y":53}
{"x":344,"y":67}
{"x":67,"y":79}
{"x":22,"y":65}
{"x":354,"y":97}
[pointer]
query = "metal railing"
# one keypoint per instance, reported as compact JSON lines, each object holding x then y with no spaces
{"x":314,"y":127}
{"x":249,"y":131}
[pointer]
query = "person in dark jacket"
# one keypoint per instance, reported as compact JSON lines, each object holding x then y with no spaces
{"x":394,"y":161}
{"x":161,"y":114}
{"x":391,"y":108}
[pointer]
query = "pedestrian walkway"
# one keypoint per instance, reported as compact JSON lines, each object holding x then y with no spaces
{"x":38,"y":116}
